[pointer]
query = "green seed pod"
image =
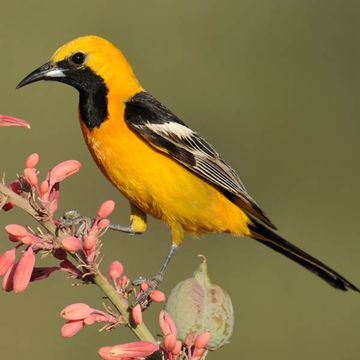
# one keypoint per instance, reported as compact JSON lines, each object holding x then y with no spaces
{"x":197,"y":305}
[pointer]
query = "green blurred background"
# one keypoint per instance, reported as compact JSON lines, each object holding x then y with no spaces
{"x":274,"y":85}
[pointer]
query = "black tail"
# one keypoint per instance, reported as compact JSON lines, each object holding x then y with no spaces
{"x":267,"y":237}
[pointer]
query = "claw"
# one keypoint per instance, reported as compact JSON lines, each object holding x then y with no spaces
{"x":74,"y":222}
{"x":124,"y":229}
{"x":144,"y":298}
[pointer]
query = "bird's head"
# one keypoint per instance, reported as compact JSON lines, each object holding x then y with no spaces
{"x":84,"y":63}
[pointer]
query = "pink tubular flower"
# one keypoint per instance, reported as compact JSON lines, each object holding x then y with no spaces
{"x":7,"y":260}
{"x":139,"y":349}
{"x":71,"y":328}
{"x":105,"y":209}
{"x":32,"y":160}
{"x":136,"y":313}
{"x":77,"y":311}
{"x":71,"y":243}
{"x":63,"y":170}
{"x":115,"y":270}
{"x":24,"y":270}
{"x":6,"y":120}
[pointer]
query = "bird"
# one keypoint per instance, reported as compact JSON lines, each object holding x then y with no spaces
{"x":163,"y":167}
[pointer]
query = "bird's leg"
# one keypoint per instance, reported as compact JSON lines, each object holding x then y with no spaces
{"x":137,"y":220}
{"x":155,"y":281}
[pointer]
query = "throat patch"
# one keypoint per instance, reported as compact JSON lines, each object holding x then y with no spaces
{"x":93,"y":93}
{"x":93,"y":106}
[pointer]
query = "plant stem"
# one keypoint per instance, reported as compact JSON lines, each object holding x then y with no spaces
{"x":121,"y":304}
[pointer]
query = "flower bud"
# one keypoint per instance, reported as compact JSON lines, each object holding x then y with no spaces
{"x":196,"y":305}
{"x":7,"y":259}
{"x":31,"y":161}
{"x":31,"y":176}
{"x":71,"y":328}
{"x":8,"y":279}
{"x":166,"y":323}
{"x":157,"y":296}
{"x":177,"y":348}
{"x":169,"y":342}
{"x":76,"y":311}
{"x":44,"y":189}
{"x":16,"y":230}
{"x":115,"y":270}
{"x":24,"y":270}
{"x":103,"y":223}
{"x":202,"y":340}
{"x":105,"y":209}
{"x":89,"y":244}
{"x":136,"y":313}
{"x":61,"y":171}
{"x":123,"y":281}
{"x":71,"y":243}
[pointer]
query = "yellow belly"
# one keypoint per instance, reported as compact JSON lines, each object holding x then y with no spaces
{"x":159,"y":185}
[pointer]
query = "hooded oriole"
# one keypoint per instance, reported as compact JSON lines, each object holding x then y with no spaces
{"x":160,"y":165}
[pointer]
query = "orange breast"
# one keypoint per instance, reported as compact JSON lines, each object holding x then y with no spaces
{"x":157,"y":184}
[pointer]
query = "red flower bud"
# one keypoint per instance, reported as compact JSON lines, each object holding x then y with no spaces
{"x":166,"y":323}
{"x":177,"y":348}
{"x":71,"y":328}
{"x":115,"y":270}
{"x":61,"y":171}
{"x":103,"y":224}
{"x":7,"y":260}
{"x":16,"y":230}
{"x":71,"y":243}
{"x":157,"y":296}
{"x":105,"y":209}
{"x":136,"y":313}
{"x":169,"y":342}
{"x":8,"y":279}
{"x":76,"y":311}
{"x":24,"y":270}
{"x":202,"y":340}
{"x":31,"y":161}
{"x":31,"y":176}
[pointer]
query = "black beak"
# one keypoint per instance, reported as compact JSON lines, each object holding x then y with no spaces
{"x":48,"y":71}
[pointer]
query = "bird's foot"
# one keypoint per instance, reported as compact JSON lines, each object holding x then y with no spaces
{"x":144,"y":299}
{"x":73,"y":222}
{"x":124,"y":229}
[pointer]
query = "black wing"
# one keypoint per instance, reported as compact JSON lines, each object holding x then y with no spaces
{"x":166,"y":132}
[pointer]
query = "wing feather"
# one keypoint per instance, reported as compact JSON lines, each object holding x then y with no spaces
{"x":166,"y":132}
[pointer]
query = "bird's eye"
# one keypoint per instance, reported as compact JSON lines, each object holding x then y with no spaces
{"x":78,"y":58}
